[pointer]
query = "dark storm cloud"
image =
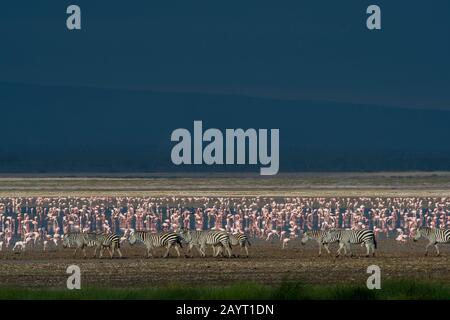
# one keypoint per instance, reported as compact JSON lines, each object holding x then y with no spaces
{"x":317,"y":50}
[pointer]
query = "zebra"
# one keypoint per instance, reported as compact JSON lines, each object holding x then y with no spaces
{"x":236,"y":239}
{"x":156,"y":240}
{"x":215,"y":238}
{"x":434,"y":236}
{"x":347,"y":237}
{"x":317,"y":236}
{"x":79,"y":241}
{"x":211,"y":237}
{"x":110,"y":241}
{"x":192,"y":238}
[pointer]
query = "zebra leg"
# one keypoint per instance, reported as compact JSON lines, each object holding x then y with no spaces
{"x":240,"y":251}
{"x":95,"y":252}
{"x":348,"y":246}
{"x":437,"y":250}
{"x":221,"y":251}
{"x":320,"y":249}
{"x":341,"y":245}
{"x":228,"y":250}
{"x":246,"y":250}
{"x":217,"y":250}
{"x":101,"y":253}
{"x":215,"y":254}
{"x":426,"y":248}
{"x":198,"y":250}
{"x":338,"y":252}
{"x":202,"y":250}
{"x":242,"y":248}
{"x":75,"y":252}
{"x":178,"y":251}
{"x":112,"y":250}
{"x":234,"y":255}
{"x":84,"y":253}
{"x":167,"y":251}
{"x":344,"y":246}
{"x":325,"y":245}
{"x":368,"y":249}
{"x":189,"y":249}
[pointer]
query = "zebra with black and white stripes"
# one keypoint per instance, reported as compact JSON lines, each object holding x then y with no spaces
{"x":157,"y":240}
{"x":241,"y":240}
{"x":201,"y":239}
{"x":192,"y":238}
{"x":215,"y":239}
{"x":318,"y":236}
{"x":434,"y":236}
{"x":347,"y":237}
{"x":236,"y":239}
{"x":110,"y":241}
{"x":79,"y":241}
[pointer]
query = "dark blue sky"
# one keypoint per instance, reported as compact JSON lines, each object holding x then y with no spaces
{"x":313,"y":49}
{"x":107,"y":97}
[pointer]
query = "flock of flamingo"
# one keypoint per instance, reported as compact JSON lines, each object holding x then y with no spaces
{"x":37,"y":222}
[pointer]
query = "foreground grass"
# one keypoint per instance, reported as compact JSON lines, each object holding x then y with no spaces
{"x":393,"y":290}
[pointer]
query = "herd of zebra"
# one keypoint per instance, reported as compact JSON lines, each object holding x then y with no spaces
{"x":218,"y":240}
{"x":221,"y":241}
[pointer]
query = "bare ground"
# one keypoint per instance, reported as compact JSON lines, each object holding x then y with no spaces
{"x":267,"y":264}
{"x":379,"y":184}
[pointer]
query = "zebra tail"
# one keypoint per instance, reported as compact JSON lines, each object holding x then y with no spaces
{"x":249,"y":243}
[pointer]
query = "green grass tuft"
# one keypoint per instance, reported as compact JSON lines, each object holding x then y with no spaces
{"x":391,"y":290}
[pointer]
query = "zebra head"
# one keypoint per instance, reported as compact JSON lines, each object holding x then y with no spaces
{"x":66,"y":241}
{"x":421,"y":232}
{"x":133,"y":237}
{"x":306,"y":237}
{"x":186,"y":235}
